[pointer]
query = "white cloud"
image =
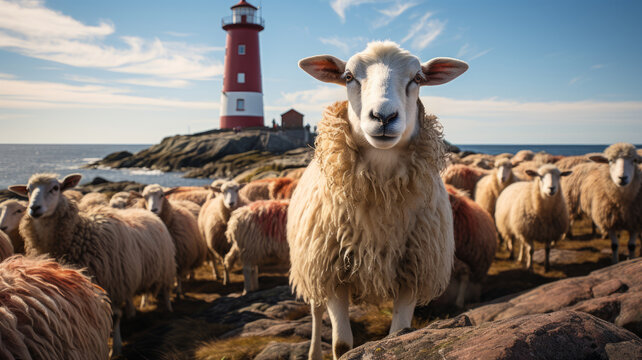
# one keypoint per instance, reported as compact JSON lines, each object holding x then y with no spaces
{"x":391,"y":13}
{"x":31,"y":29}
{"x":19,"y":94}
{"x":575,"y":80}
{"x":7,"y":76}
{"x":340,"y":6}
{"x":346,"y":45}
{"x":598,"y":66}
{"x":424,"y":31}
{"x":84,"y":79}
{"x":465,"y":51}
{"x":479,"y":54}
{"x":168,"y":83}
{"x":178,"y":34}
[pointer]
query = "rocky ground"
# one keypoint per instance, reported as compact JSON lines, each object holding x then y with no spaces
{"x":582,"y":309}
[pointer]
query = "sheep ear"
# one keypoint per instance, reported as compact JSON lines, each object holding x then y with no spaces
{"x":326,"y":68}
{"x":532,"y":173}
{"x":442,"y":70}
{"x":599,"y":159}
{"x":566,"y":173}
{"x":170,"y":191}
{"x":19,"y":190}
{"x":70,"y":181}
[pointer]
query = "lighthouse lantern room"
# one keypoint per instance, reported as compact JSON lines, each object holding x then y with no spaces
{"x":242,"y":98}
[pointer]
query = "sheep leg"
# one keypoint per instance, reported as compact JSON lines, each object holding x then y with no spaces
{"x":461,"y":292}
{"x":530,"y":249}
{"x":403,"y":310}
{"x":179,"y":287}
{"x":117,"y":343}
{"x":633,"y":236}
{"x":593,"y":229}
{"x":569,"y":233}
{"x":615,"y":245}
{"x":167,"y":304}
{"x":229,"y":261}
{"x":143,"y":301}
{"x":338,"y":310}
{"x":547,"y":265}
{"x":130,"y":309}
{"x":255,"y":278}
{"x":520,"y":253}
{"x":247,"y":279}
{"x":510,"y":247}
{"x":315,"y":352}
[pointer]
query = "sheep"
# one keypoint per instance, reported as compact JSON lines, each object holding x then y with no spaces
{"x":521,"y":156}
{"x":6,"y":249}
{"x":127,"y":252}
{"x":73,"y":195}
{"x":183,"y":227}
{"x":530,"y":211}
{"x":193,"y":207}
{"x":11,"y":212}
{"x":212,"y":222}
{"x":294,"y":173}
{"x":370,"y":218}
{"x":490,"y":186}
{"x":195,"y":194}
{"x":475,"y":245}
{"x":463,"y":177}
{"x":606,"y":192}
{"x":256,"y":233}
{"x":91,"y":200}
{"x":257,"y":189}
{"x":569,"y":162}
{"x":282,"y":188}
{"x":482,"y":161}
{"x":51,"y":311}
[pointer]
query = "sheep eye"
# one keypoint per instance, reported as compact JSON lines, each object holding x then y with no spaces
{"x":55,"y":188}
{"x":418,"y":78}
{"x":18,"y":211}
{"x":348,"y":76}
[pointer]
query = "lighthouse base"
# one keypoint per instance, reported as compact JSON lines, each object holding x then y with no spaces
{"x":231,"y":122}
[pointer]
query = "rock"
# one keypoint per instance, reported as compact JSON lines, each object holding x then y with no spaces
{"x":119,"y":155}
{"x":288,"y":351}
{"x":613,"y":294}
{"x":626,"y":350}
{"x":560,"y":257}
{"x":101,"y":185}
{"x":558,"y":335}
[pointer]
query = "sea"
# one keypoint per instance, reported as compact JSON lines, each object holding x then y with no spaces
{"x":19,"y":161}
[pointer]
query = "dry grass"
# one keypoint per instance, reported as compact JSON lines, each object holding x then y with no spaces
{"x":242,"y":348}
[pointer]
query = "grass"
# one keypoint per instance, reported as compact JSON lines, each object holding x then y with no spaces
{"x":242,"y":348}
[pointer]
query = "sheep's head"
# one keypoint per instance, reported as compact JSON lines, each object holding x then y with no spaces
{"x":44,"y":192}
{"x":154,"y":197}
{"x":383,"y":88}
{"x":504,"y":170}
{"x":230,"y":191}
{"x":622,"y":159}
{"x":120,"y":200}
{"x":11,"y":211}
{"x":548,"y":179}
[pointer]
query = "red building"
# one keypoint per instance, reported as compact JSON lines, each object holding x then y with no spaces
{"x":291,"y":119}
{"x":242,"y":98}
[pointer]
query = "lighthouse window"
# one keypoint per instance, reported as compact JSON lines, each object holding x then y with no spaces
{"x":241,"y":49}
{"x":240,"y":78}
{"x":240,"y":104}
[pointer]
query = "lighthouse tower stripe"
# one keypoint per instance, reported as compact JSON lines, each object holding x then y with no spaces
{"x":252,"y":103}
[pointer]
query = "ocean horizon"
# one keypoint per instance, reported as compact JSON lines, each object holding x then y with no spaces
{"x":19,"y":161}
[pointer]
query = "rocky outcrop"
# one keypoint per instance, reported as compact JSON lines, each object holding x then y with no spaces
{"x":613,"y":294}
{"x":558,"y":335}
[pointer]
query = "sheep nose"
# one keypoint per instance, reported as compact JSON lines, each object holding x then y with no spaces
{"x":623,"y":179}
{"x":4,"y":228}
{"x":35,"y":208}
{"x":155,"y":210}
{"x":384,"y":119}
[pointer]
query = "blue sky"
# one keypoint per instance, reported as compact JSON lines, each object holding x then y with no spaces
{"x":137,"y":71}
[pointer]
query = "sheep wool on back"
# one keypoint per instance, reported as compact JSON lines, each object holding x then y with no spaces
{"x":370,"y":229}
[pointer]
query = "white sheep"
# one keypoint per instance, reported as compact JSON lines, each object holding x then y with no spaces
{"x":92,"y":200}
{"x":490,"y":186}
{"x":370,"y":218}
{"x":183,"y":226}
{"x":533,"y":211}
{"x":51,"y":311}
{"x":6,"y":249}
{"x":213,"y":218}
{"x":609,"y":192}
{"x":257,"y":233}
{"x":127,"y":252}
{"x":11,"y":212}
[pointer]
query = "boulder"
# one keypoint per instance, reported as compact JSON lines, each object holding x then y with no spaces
{"x":557,"y":335}
{"x":613,"y":294}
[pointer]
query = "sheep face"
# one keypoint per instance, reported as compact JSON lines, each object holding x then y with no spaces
{"x":11,"y":212}
{"x":44,"y":192}
{"x":383,"y":89}
{"x":230,"y":193}
{"x":119,"y":200}
{"x":548,"y":179}
{"x":504,"y":170}
{"x":154,"y":197}
{"x":623,"y":160}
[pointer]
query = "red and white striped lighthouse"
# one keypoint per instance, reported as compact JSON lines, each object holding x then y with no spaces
{"x":242,"y":98}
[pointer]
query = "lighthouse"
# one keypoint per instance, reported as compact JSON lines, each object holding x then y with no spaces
{"x":242,"y":97}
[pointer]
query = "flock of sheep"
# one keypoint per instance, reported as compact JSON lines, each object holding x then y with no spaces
{"x":382,"y":213}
